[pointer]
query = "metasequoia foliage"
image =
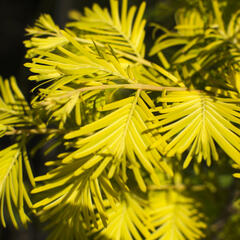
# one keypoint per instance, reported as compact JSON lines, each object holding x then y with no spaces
{"x":123,"y":127}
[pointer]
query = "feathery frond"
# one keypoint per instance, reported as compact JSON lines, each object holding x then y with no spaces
{"x":175,"y":216}
{"x":64,"y":188}
{"x":15,"y":114}
{"x":14,"y":109}
{"x":129,"y":220}
{"x":119,"y":142}
{"x":61,"y":226}
{"x":105,"y":149}
{"x":46,"y":36}
{"x":13,"y":192}
{"x":196,"y":122}
{"x":122,"y":32}
{"x":206,"y":51}
{"x":125,"y":33}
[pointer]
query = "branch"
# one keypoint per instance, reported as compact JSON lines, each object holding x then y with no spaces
{"x":137,"y":86}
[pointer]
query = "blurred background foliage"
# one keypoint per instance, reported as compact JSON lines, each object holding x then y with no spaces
{"x":214,"y":187}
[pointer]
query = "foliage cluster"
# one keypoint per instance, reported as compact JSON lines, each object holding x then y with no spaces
{"x":135,"y":133}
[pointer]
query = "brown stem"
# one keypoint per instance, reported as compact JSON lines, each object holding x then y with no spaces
{"x":134,"y":86}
